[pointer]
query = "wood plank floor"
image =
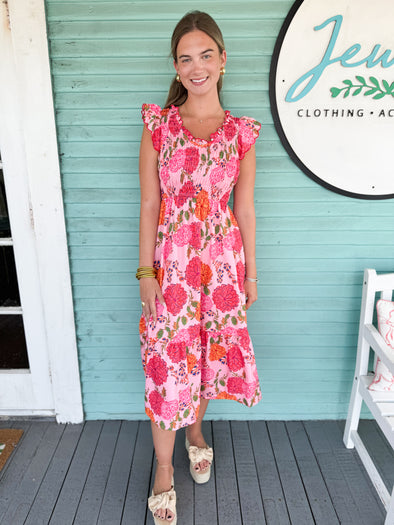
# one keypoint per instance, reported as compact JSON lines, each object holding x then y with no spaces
{"x":276,"y":473}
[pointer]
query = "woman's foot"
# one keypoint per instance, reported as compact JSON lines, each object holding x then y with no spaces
{"x":196,"y":439}
{"x":200,"y":456}
{"x":164,"y":483}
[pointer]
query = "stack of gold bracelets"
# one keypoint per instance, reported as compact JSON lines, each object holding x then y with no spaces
{"x":145,"y":271}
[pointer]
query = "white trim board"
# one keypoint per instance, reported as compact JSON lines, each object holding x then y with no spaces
{"x":33,"y":126}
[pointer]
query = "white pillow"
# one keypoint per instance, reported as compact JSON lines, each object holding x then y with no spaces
{"x":384,"y":379}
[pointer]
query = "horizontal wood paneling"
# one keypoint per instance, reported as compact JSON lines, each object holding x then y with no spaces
{"x":312,"y":245}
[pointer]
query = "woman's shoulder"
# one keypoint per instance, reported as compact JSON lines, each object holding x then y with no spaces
{"x":248,"y":132}
{"x":154,"y":110}
{"x":245,"y":121}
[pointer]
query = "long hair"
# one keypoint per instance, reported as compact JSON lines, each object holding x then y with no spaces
{"x":177,"y":93}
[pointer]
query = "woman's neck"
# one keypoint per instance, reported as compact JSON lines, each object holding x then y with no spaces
{"x":201,"y":108}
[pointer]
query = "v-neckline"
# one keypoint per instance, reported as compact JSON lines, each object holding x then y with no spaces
{"x":217,"y":133}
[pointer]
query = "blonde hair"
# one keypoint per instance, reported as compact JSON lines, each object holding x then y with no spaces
{"x":193,"y":20}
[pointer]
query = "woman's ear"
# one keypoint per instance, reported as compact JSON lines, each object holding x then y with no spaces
{"x":175,"y":66}
{"x":223,"y":57}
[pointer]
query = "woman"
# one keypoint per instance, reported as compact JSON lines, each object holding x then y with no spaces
{"x":197,"y":269}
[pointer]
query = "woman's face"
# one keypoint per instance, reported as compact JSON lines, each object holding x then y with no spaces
{"x":199,"y":62}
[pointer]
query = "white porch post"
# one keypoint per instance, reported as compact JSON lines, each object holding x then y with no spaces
{"x":33,"y":84}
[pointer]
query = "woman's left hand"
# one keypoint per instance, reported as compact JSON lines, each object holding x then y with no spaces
{"x":251,"y":293}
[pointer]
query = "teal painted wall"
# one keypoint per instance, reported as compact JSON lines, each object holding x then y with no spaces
{"x":108,"y":58}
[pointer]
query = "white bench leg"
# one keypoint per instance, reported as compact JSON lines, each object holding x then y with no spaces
{"x":353,"y":415}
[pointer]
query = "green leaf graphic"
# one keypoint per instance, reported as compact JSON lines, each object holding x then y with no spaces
{"x":374,"y":88}
{"x":335,"y":91}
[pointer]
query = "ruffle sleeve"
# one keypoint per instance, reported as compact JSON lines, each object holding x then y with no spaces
{"x":248,"y":132}
{"x":152,"y":116}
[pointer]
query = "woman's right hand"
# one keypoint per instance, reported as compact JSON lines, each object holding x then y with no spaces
{"x":150,"y":291}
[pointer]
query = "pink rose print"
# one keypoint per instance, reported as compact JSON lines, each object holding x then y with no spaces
{"x":156,"y":401}
{"x":177,"y":161}
{"x":188,"y":191}
{"x":241,"y":275}
{"x":195,"y":238}
{"x":224,"y":201}
{"x":235,"y":385}
{"x":216,"y":249}
{"x":184,"y":396}
{"x":235,"y":359}
{"x":249,"y":389}
{"x":183,"y":235}
{"x":176,"y":351}
{"x":244,"y":338}
{"x":164,"y":175}
{"x":213,"y":206}
{"x":194,"y":332}
{"x":233,"y":241}
{"x":182,"y":336}
{"x":156,"y":368}
{"x":217,"y":175}
{"x":174,"y":125}
{"x":192,"y":159}
{"x":193,"y":273}
{"x":206,"y":303}
{"x":156,"y":138}
{"x":246,"y":134}
{"x":169,"y":409}
{"x":225,"y":297}
{"x":232,"y":168}
{"x":168,"y":248}
{"x":175,"y":297}
{"x":230,"y":130}
{"x":207,"y":374}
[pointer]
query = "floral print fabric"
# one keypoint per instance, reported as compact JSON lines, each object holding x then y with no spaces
{"x":200,"y":345}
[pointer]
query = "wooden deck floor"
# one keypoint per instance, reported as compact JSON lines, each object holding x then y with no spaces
{"x":277,"y":473}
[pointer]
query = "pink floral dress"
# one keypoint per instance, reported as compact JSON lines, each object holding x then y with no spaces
{"x":200,"y":345}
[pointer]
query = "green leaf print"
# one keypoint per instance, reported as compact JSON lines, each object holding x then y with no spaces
{"x":162,"y":425}
{"x":208,"y":325}
{"x":186,"y":413}
{"x":222,"y":382}
{"x":184,"y":320}
{"x":160,"y":334}
{"x":234,"y":320}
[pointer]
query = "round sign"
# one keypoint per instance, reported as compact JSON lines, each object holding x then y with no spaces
{"x":332,"y":94}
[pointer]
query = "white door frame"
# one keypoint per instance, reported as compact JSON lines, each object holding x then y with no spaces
{"x":29,"y":149}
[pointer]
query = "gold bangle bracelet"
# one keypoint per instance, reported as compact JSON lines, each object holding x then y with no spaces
{"x":145,"y":271}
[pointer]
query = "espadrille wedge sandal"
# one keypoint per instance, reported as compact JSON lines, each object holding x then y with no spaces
{"x":196,"y":455}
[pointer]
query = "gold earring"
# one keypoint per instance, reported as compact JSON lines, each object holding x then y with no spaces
{"x":222,"y":71}
{"x":178,"y":78}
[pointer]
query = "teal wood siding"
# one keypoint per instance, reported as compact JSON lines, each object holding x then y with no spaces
{"x":108,"y":58}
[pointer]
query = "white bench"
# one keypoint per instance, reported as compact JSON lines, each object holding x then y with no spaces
{"x":381,"y":404}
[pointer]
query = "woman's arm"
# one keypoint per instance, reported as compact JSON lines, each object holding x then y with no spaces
{"x":149,"y":220}
{"x":246,"y":218}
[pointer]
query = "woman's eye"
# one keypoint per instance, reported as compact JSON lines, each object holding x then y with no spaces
{"x":184,"y":60}
{"x":206,"y":57}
